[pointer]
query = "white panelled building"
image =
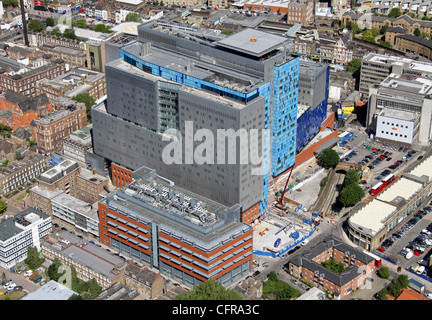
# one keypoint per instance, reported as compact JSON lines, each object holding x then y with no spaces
{"x":26,"y":229}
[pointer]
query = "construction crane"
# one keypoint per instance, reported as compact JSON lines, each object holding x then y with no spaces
{"x":280,"y":200}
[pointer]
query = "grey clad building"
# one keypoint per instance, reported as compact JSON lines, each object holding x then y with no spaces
{"x":179,"y":78}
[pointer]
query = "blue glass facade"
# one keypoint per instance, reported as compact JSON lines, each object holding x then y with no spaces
{"x":284,"y":124}
{"x":309,"y":123}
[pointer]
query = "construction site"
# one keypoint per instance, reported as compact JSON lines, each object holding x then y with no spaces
{"x":287,"y":222}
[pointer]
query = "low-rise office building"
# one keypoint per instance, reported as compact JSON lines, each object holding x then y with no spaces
{"x":382,"y":216}
{"x":26,"y":229}
{"x":89,"y":261}
{"x":400,"y":110}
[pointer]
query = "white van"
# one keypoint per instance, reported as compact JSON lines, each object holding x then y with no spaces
{"x":409,"y":255}
{"x":420,"y":270}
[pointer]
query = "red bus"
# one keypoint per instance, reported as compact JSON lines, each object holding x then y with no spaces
{"x":389,"y":179}
{"x":377,"y":188}
{"x":378,"y":260}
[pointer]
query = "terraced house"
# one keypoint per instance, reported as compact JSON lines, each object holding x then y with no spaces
{"x":20,"y":172}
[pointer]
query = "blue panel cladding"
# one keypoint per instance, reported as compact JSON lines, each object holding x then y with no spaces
{"x":265,"y":92}
{"x":284,"y":123}
{"x":310,"y":122}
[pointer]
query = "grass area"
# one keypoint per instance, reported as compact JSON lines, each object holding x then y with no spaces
{"x":14,"y":295}
{"x":275,"y":289}
{"x":21,"y":196}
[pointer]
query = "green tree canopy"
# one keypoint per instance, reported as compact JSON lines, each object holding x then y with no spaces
{"x":384,"y":272}
{"x":329,"y":158}
{"x":334,"y":265}
{"x":36,"y":25}
{"x":417,"y":32}
{"x":102,"y":28}
{"x":52,"y":271}
{"x":353,"y":66}
{"x":81,"y":23}
{"x":210,"y":290}
{"x":368,"y":36}
{"x":88,"y":100}
{"x":69,"y":33}
{"x":49,"y":22}
{"x":133,"y":17}
{"x":56,"y":32}
{"x":394,"y":13}
{"x":352,"y":177}
{"x":351,"y":195}
{"x":33,"y":260}
{"x":3,"y":206}
{"x":10,"y":3}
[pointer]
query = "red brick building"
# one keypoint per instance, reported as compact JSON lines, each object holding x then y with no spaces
{"x":18,"y":111}
{"x":51,"y":130}
{"x":308,"y":267}
{"x":18,"y":53}
{"x":25,"y":82}
{"x":120,"y":175}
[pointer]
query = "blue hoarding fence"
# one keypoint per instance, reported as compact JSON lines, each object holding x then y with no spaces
{"x":277,"y":254}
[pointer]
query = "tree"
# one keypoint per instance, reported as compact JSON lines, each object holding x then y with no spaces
{"x":394,"y":13}
{"x":36,"y":25}
{"x":56,"y":32}
{"x":329,"y":158}
{"x":88,"y":100}
{"x":69,"y":33}
{"x":368,"y":36}
{"x":50,"y":22}
{"x":52,"y":271}
{"x":382,"y":294}
{"x":352,"y":177}
{"x":383,"y":29}
{"x":102,"y":28}
{"x":210,"y":290}
{"x":81,"y":23}
{"x":353,"y":66}
{"x":133,"y":17}
{"x":417,"y":32}
{"x":273,"y":276}
{"x":384,"y":272}
{"x":33,"y":260}
{"x":3,"y":206}
{"x":351,"y":195}
{"x":10,"y":3}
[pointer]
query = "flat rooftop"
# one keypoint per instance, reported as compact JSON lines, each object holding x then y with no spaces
{"x":403,"y":187}
{"x":191,"y":67}
{"x":253,"y":42}
{"x":372,"y":216}
{"x":399,"y":114}
{"x":52,"y":290}
{"x":150,"y":197}
{"x":86,"y":254}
